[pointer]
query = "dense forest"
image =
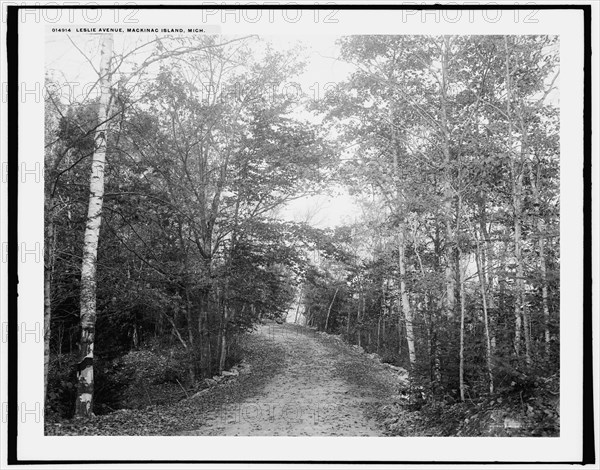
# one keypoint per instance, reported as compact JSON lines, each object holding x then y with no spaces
{"x":165,"y":243}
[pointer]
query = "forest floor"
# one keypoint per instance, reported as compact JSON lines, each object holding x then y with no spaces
{"x":298,"y":382}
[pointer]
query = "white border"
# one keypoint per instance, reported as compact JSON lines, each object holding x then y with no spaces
{"x":32,"y":443}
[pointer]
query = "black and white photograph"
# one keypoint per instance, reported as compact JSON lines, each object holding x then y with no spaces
{"x":274,"y":232}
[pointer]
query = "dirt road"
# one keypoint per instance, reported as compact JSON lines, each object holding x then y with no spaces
{"x":325,"y":388}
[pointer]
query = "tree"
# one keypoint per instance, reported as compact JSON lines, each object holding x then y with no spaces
{"x":85,"y":371}
{"x":450,"y":151}
{"x":437,"y":124}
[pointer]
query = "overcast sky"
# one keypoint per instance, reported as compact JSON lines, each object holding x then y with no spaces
{"x":65,"y":61}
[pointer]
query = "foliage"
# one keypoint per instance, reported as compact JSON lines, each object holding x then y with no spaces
{"x":451,"y":268}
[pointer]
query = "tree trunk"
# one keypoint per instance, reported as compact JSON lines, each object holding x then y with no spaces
{"x":450,"y":269}
{"x":175,"y":331}
{"x":521,"y":311}
{"x":329,"y":309}
{"x":347,"y":326}
{"x":358,"y":316}
{"x":85,"y":370}
{"x":378,"y":333}
{"x":205,"y":356}
{"x":48,"y":268}
{"x":189,"y":318}
{"x":436,"y":366}
{"x":49,"y":260}
{"x":223,"y":340}
{"x":406,"y":310}
{"x":461,"y":353}
{"x":225,"y":319}
{"x":486,"y":264}
{"x":298,"y":306}
{"x":517,"y":196}
{"x":542,"y":257}
{"x":488,"y":348}
{"x":479,"y":257}
{"x":405,"y":305}
{"x":502,"y":270}
{"x":358,"y":327}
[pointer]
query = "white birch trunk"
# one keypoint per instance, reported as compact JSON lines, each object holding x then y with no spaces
{"x":406,"y":310}
{"x":404,"y":302}
{"x":516,"y":180}
{"x":85,"y":369}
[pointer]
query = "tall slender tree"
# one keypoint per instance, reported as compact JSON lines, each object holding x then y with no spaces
{"x":85,"y":367}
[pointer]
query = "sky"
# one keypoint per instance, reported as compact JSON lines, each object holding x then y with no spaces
{"x":65,"y":59}
{"x":322,"y":70}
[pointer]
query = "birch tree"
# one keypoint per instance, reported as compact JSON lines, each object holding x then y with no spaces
{"x":85,"y":367}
